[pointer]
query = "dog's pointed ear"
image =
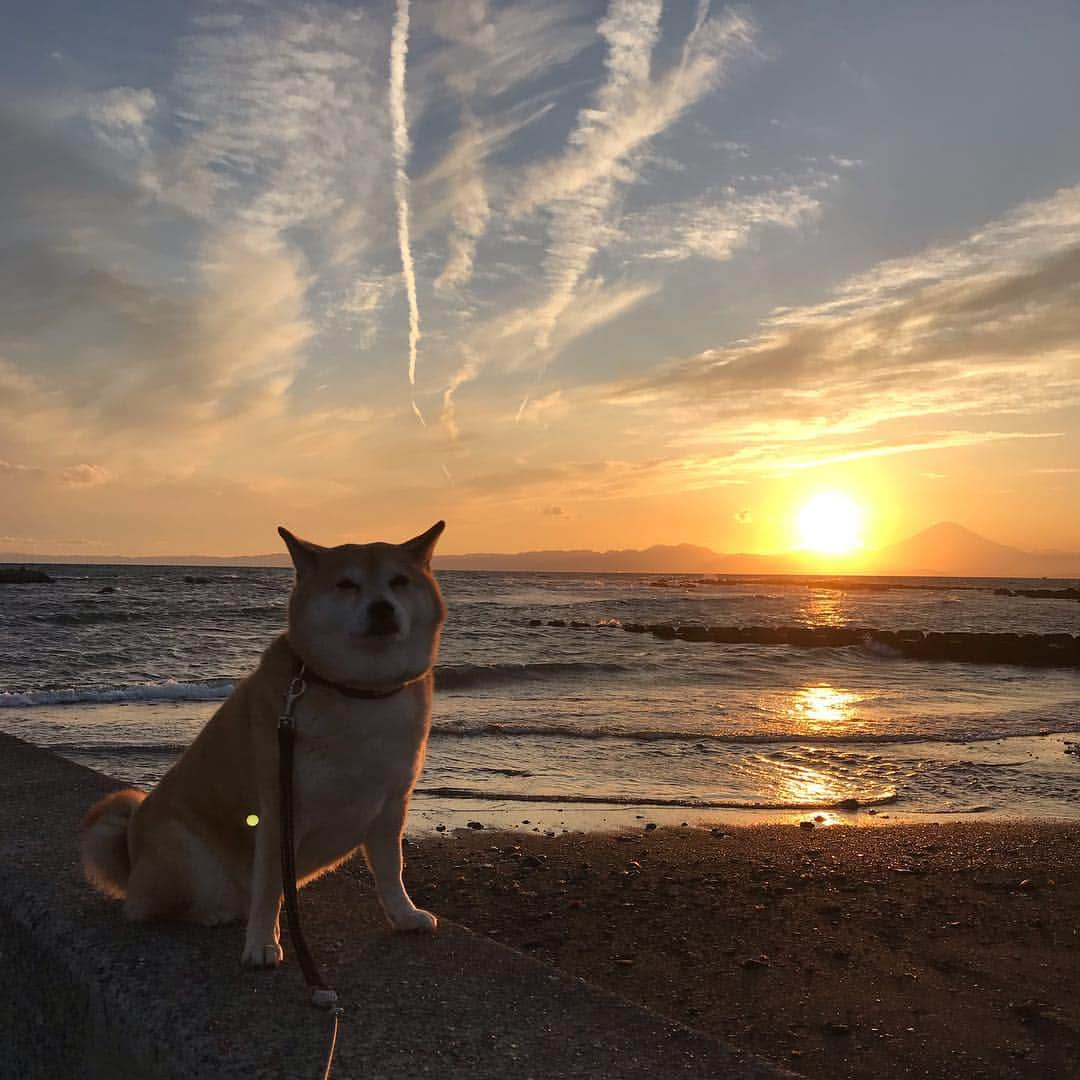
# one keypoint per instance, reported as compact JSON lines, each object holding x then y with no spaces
{"x":302,"y":552}
{"x":420,"y":547}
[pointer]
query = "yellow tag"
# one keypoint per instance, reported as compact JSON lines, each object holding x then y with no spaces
{"x":252,"y":820}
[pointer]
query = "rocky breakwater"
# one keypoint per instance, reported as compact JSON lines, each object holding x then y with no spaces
{"x":1028,"y":650}
{"x":23,"y":575}
{"x":1071,"y":593}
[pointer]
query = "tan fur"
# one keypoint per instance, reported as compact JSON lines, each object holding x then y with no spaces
{"x":104,"y":848}
{"x":185,"y":850}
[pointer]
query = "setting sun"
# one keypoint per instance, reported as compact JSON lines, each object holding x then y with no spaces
{"x":830,"y":523}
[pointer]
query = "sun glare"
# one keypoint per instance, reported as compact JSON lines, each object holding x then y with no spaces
{"x":831,"y":524}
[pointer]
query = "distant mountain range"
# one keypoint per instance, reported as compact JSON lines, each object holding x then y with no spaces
{"x":945,"y":550}
{"x":950,"y":550}
{"x":662,"y":558}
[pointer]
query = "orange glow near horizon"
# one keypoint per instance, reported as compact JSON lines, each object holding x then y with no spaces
{"x":830,"y":523}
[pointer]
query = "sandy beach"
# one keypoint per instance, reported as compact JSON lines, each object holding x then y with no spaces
{"x":939,"y":950}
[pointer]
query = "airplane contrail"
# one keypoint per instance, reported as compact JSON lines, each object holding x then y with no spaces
{"x":399,"y":48}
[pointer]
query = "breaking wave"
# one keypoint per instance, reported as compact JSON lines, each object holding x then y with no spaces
{"x":116,"y":749}
{"x":166,"y":690}
{"x":456,"y":677}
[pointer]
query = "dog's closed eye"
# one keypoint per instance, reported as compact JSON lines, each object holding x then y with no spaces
{"x":348,"y":583}
{"x":399,"y":581}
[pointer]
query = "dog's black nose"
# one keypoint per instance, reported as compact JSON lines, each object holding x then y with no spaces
{"x":381,"y":618}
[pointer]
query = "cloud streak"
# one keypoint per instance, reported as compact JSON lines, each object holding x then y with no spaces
{"x":986,"y":327}
{"x":579,"y":187}
{"x":717,"y":228}
{"x":631,"y":107}
{"x":276,"y":120}
{"x":487,"y":54}
{"x":471,"y":209}
{"x":399,"y":125}
{"x":577,"y":227}
{"x":464,"y":374}
{"x":197,"y":370}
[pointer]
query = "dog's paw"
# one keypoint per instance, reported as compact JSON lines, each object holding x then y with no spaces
{"x":262,"y":955}
{"x":415,"y":921}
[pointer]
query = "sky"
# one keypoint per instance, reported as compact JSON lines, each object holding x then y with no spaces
{"x":567,"y":275}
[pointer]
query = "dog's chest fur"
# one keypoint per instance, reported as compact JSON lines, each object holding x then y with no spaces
{"x":352,"y":758}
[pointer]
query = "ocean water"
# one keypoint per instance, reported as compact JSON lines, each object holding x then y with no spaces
{"x":589,"y":724}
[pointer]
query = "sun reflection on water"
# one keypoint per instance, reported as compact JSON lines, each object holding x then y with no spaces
{"x":797,"y":783}
{"x":823,"y":709}
{"x":816,"y":777}
{"x":824,"y":607}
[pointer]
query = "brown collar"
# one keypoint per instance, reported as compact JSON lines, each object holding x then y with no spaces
{"x":306,"y":675}
{"x":310,"y":676}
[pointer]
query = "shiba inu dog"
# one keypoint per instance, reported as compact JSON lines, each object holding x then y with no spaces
{"x":203,"y":846}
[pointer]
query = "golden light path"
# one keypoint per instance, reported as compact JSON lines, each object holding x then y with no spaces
{"x":815,"y":710}
{"x":824,"y":710}
{"x":830,"y":523}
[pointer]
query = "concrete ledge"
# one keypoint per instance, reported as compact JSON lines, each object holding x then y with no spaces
{"x":88,"y":995}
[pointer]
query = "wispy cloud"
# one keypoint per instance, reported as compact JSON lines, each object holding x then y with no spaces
{"x":578,"y":226}
{"x":193,"y":369}
{"x":508,"y":46}
{"x":508,"y":338}
{"x":486,"y":54}
{"x":632,"y":107}
{"x":817,"y":458}
{"x":277,"y":121}
{"x":399,"y":48}
{"x":717,"y":226}
{"x":363,"y":305}
{"x":578,"y":188}
{"x":120,"y":118}
{"x":465,"y":373}
{"x":46,"y":544}
{"x":85,"y":475}
{"x":671,"y":474}
{"x":986,"y":327}
{"x":471,"y":209}
{"x":467,"y":25}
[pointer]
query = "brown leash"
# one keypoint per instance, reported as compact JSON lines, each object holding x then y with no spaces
{"x":322,"y":996}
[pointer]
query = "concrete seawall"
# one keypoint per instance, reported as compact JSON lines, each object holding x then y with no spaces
{"x":85,"y":994}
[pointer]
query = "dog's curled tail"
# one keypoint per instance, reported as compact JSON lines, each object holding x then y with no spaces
{"x":104,"y":845}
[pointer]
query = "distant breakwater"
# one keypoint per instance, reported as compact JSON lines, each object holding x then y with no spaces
{"x":1042,"y":594}
{"x":969,"y":647}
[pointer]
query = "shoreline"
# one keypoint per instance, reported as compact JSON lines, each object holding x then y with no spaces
{"x":945,"y":950}
{"x":1030,"y":777}
{"x":566,"y":818}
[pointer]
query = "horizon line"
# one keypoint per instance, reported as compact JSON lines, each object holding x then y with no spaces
{"x":991,"y":562}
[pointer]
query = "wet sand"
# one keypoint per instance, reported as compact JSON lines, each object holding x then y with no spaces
{"x":939,"y":950}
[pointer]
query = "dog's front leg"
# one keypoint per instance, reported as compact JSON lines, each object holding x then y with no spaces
{"x":382,"y":849}
{"x":262,"y":943}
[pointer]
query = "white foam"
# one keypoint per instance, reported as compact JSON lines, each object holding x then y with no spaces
{"x":167,"y":690}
